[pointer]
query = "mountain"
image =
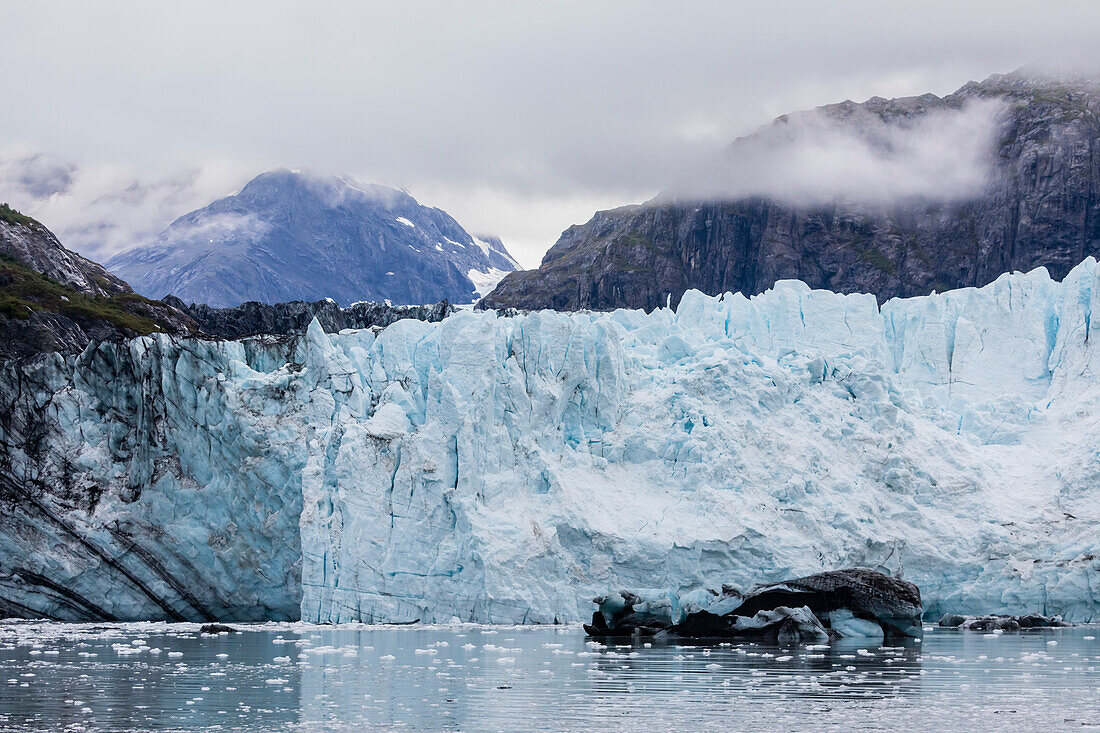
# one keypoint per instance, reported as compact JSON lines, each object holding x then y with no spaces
{"x":290,"y":236}
{"x":510,"y":469}
{"x":1038,"y":205}
{"x":52,"y":299}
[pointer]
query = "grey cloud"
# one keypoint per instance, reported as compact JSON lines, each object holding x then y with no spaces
{"x":219,"y":226}
{"x":849,"y":153}
{"x":560,"y":107}
{"x":100,"y":209}
{"x":35,"y":177}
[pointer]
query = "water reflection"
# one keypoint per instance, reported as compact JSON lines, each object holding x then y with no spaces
{"x":290,"y":677}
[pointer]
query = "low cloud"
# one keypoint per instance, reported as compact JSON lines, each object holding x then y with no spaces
{"x":100,"y":210}
{"x":334,"y":190}
{"x":843,"y":152}
{"x":213,"y":230}
{"x":851,"y":154}
{"x":35,"y":176}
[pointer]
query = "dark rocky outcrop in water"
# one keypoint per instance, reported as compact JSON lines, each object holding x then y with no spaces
{"x":812,"y":608}
{"x":1041,"y":206}
{"x":893,"y":603}
{"x":250,"y":319}
{"x":779,"y":625}
{"x":217,"y":629}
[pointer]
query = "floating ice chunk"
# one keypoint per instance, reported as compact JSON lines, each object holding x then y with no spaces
{"x":848,"y":626}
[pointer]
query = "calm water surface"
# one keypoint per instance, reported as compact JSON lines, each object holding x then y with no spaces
{"x":297,"y":677}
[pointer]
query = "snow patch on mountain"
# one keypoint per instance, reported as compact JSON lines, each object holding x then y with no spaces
{"x":492,"y":246}
{"x":484,"y":282}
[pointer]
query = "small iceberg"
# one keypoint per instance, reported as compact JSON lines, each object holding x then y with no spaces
{"x":850,"y":603}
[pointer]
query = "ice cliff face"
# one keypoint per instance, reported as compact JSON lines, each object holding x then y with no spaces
{"x":510,"y":469}
{"x":133,"y":486}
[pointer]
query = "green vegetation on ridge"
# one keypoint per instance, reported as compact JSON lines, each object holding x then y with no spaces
{"x":12,"y":216}
{"x":24,"y":291}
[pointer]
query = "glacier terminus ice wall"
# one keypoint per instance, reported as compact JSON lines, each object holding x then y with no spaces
{"x":509,"y":469}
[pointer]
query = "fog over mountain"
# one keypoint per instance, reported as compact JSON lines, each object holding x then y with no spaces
{"x":100,"y":209}
{"x":848,"y":152}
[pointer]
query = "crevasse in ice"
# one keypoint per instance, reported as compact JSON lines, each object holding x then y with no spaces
{"x":510,"y":469}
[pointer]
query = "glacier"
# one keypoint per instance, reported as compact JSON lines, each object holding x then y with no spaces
{"x":509,"y":469}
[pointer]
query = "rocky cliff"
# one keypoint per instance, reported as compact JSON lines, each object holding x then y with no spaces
{"x":52,"y":299}
{"x":252,"y":318}
{"x":1040,"y":206}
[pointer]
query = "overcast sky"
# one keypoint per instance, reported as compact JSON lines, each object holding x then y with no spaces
{"x":518,"y":118}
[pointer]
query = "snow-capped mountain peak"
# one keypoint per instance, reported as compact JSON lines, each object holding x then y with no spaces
{"x":290,"y":235}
